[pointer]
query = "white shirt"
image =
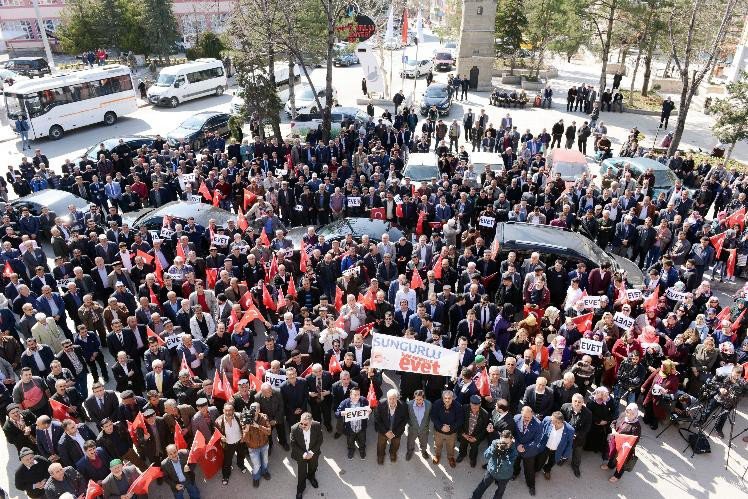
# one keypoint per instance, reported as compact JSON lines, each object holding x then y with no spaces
{"x":307,"y":437}
{"x":233,"y":430}
{"x":555,"y":438}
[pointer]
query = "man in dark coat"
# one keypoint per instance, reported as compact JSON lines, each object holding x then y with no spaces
{"x":306,"y":455}
{"x":580,"y":418}
{"x":390,"y":418}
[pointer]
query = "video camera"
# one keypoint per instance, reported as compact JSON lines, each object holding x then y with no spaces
{"x":249,"y":416}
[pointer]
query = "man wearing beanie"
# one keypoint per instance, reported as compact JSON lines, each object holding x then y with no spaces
{"x":32,"y":474}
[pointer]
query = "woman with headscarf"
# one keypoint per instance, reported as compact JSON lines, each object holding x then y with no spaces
{"x":701,"y":296}
{"x":623,"y":347}
{"x":627,"y":424}
{"x":559,"y":357}
{"x":550,"y":322}
{"x":653,"y":356}
{"x":703,"y":362}
{"x":659,"y":384}
{"x":701,"y":327}
{"x":604,"y":411}
{"x":727,"y":354}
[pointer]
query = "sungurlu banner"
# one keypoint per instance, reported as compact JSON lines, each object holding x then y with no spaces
{"x":402,"y":354}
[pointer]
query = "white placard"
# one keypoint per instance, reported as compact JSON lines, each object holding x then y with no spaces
{"x":487,"y":222}
{"x":354,"y":201}
{"x":351,"y":271}
{"x":281,"y":172}
{"x":220,"y":240}
{"x":356,"y":413}
{"x":155,"y":235}
{"x":591,"y":302}
{"x":166,"y":233}
{"x":63,"y":283}
{"x":174,"y":340}
{"x":195,"y":199}
{"x":634,"y":294}
{"x":174,"y":277}
{"x":406,"y":355}
{"x":623,"y":322}
{"x":674,"y":295}
{"x":188,"y":177}
{"x":276,"y":380}
{"x":591,"y":347}
{"x":298,"y":207}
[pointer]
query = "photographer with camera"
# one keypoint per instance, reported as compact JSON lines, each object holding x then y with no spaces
{"x":631,"y":375}
{"x":256,"y":436}
{"x":728,"y":391}
{"x":658,"y":386}
{"x":500,"y":456}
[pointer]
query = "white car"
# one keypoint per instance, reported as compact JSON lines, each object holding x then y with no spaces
{"x":305,"y":101}
{"x":414,"y":69}
{"x":8,"y":77}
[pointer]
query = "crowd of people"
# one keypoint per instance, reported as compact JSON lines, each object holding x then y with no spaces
{"x":244,"y":342}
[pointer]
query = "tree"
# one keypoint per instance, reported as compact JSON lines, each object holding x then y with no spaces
{"x":692,"y":50}
{"x":89,"y":24}
{"x":601,"y":15}
{"x":511,"y":22}
{"x":160,"y":27}
{"x":731,"y":126}
{"x":79,"y":28}
{"x":208,"y":45}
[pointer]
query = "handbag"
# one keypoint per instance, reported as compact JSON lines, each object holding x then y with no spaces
{"x":630,"y":463}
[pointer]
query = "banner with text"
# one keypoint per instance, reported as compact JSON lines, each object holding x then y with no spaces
{"x":356,"y":413}
{"x":623,"y":322}
{"x":591,"y":347}
{"x":402,"y":354}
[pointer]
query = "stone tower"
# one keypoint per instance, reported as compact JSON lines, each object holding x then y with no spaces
{"x":477,"y":53}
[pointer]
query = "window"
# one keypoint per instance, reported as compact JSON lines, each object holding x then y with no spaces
{"x":41,"y":102}
{"x":19,"y":30}
{"x":12,"y":3}
{"x":205,"y":74}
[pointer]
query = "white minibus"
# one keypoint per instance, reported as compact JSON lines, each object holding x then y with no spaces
{"x":188,"y":81}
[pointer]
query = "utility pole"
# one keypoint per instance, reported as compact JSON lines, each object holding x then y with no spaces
{"x":43,"y":33}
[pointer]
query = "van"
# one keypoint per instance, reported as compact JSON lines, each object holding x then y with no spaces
{"x":29,"y":66}
{"x":188,"y":81}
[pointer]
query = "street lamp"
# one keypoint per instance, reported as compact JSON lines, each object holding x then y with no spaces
{"x":43,"y":33}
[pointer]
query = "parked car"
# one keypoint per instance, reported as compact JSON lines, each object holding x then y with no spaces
{"x":56,"y":200}
{"x":339,"y":229}
{"x":29,"y":66}
{"x":338,"y":114}
{"x":481,"y":159}
{"x":8,"y":77}
{"x":415,"y":69}
{"x":437,"y":94}
{"x":123,"y":146}
{"x":664,"y":177}
{"x":193,"y":130}
{"x":554,"y":242}
{"x":179,"y":211}
{"x":421,"y":166}
{"x":345,"y":59}
{"x":305,"y":101}
{"x":443,"y":60}
{"x":450,"y":46}
{"x":569,"y":162}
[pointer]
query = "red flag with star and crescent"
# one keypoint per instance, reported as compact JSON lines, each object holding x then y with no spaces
{"x":438,"y":268}
{"x":583,"y":322}
{"x":143,"y":482}
{"x":94,"y":490}
{"x":652,"y":299}
{"x":151,"y":334}
{"x":213,"y":459}
{"x":737,"y":218}
{"x":624,"y":445}
{"x":371,"y":396}
{"x":483,"y":385}
{"x":717,"y":243}
{"x":179,"y":440}
{"x":204,"y":191}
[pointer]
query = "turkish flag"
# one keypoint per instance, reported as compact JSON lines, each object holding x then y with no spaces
{"x":255,"y":381}
{"x":273,"y":267}
{"x":197,"y":451}
{"x":717,"y":243}
{"x":179,"y":440}
{"x":281,"y":301}
{"x":211,"y":277}
{"x":369,"y":303}
{"x":93,"y":490}
{"x":204,"y":191}
{"x":371,"y":396}
{"x":624,"y":445}
{"x":338,"y":298}
{"x":236,"y":375}
{"x":365,"y":330}
{"x":583,"y":322}
{"x":267,"y":298}
{"x":217,"y":199}
{"x":495,"y":249}
{"x":227,"y":389}
{"x":416,"y":281}
{"x":737,"y":218}
{"x":141,"y":484}
{"x":399,"y":210}
{"x":151,"y":334}
{"x":435,"y":225}
{"x":139,"y":422}
{"x":334,"y":365}
{"x":264,"y":238}
{"x":213,"y":459}
{"x":218,"y":390}
{"x":485,"y":281}
{"x":307,"y":371}
{"x":736,"y":325}
{"x":249,"y":199}
{"x":724,"y":315}
{"x":7,"y":270}
{"x":651,"y":301}
{"x":438,"y":268}
{"x":303,"y":259}
{"x":180,"y":250}
{"x":159,"y":272}
{"x":377,"y":214}
{"x":260,"y":368}
{"x":60,"y":411}
{"x":185,"y":366}
{"x":291,"y":287}
{"x":251,"y":314}
{"x":245,"y":300}
{"x":419,"y":223}
{"x":146,"y":257}
{"x":483,"y":385}
{"x":405,"y":27}
{"x":241,"y":220}
{"x":731,"y":261}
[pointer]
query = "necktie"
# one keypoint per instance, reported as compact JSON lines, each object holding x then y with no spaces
{"x":470,"y":328}
{"x":101,"y":402}
{"x":48,"y":435}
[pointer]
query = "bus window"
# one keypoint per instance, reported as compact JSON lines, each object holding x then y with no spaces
{"x":34,"y":105}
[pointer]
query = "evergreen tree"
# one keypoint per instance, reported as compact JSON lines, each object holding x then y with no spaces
{"x":160,"y":27}
{"x":511,"y":22}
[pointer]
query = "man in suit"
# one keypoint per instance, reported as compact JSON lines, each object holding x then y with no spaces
{"x":120,"y":479}
{"x":556,"y":443}
{"x":341,"y":391}
{"x":625,"y":236}
{"x":466,"y":355}
{"x":48,"y":434}
{"x":121,"y":340}
{"x":390,"y":418}
{"x":360,"y":351}
{"x":126,"y":374}
{"x":70,"y":445}
{"x":307,"y":341}
{"x":160,"y":379}
{"x":153,"y":447}
{"x":319,"y":384}
{"x":528,"y":434}
{"x":101,"y":404}
{"x":475,"y":425}
{"x":419,"y":422}
{"x":179,"y":475}
{"x":580,"y":419}
{"x":539,"y":397}
{"x":306,"y":444}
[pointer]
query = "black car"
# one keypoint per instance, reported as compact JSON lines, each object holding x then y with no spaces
{"x":337,"y":230}
{"x":553,"y":243}
{"x":193,"y":130}
{"x":437,"y":94}
{"x":180,"y":211}
{"x":123,"y":146}
{"x":29,"y":66}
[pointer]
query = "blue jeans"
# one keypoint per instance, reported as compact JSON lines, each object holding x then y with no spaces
{"x":485,"y":483}
{"x":652,"y":256}
{"x":630,"y":395}
{"x":25,"y":139}
{"x":259,"y":459}
{"x":192,"y":491}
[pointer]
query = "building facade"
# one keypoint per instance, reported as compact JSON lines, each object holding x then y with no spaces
{"x":477,"y":53}
{"x":19,"y":30}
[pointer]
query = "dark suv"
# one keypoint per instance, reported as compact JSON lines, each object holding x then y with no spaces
{"x":193,"y":130}
{"x":29,"y":66}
